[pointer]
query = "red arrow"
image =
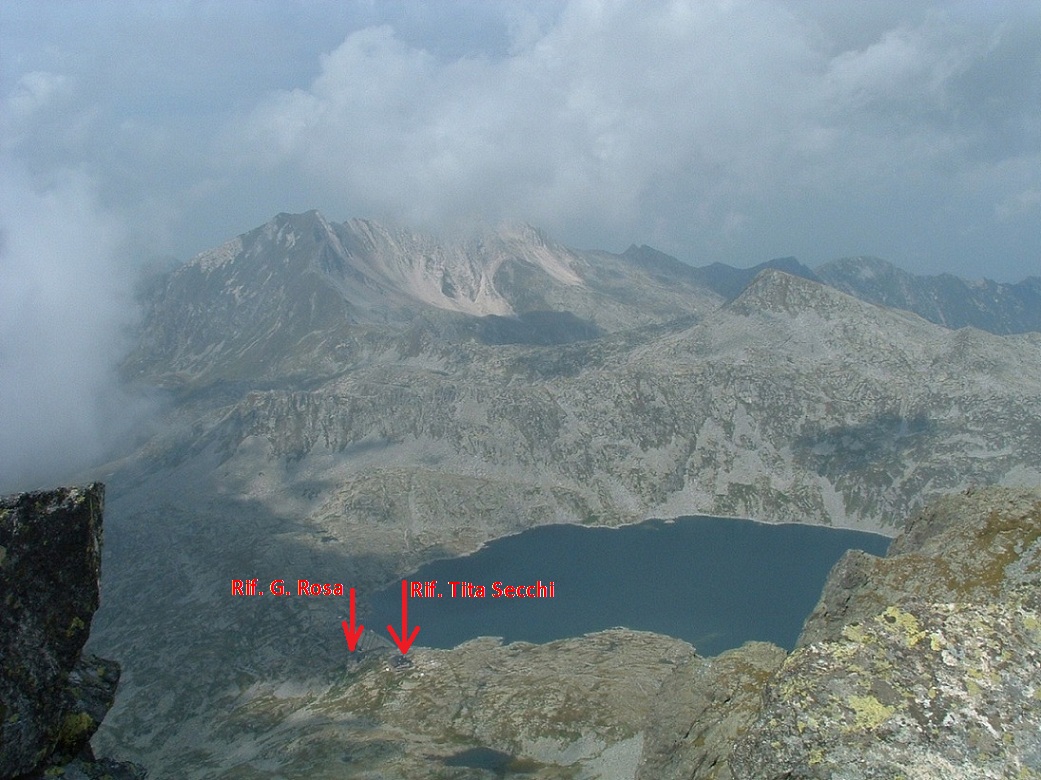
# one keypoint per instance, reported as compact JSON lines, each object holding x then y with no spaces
{"x":405,"y":641}
{"x":352,"y":634}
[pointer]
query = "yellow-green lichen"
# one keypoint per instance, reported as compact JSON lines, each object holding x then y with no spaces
{"x":855,"y":632}
{"x":846,"y":651}
{"x":905,"y":622}
{"x":75,"y":730}
{"x":1005,"y":536}
{"x":75,"y":625}
{"x":869,"y":712}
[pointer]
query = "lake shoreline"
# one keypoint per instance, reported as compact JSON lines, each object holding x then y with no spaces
{"x":706,"y":580}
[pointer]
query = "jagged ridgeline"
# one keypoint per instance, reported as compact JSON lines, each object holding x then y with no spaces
{"x":347,"y":401}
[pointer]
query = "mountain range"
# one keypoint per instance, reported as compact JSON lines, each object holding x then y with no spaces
{"x":346,"y":401}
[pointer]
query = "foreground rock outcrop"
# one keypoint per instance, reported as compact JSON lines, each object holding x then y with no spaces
{"x":52,"y":696}
{"x":922,"y":664}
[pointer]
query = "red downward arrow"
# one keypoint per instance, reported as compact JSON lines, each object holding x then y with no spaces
{"x":404,"y":642}
{"x":352,"y":634}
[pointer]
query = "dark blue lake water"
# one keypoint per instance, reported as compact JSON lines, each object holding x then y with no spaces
{"x":713,"y":582}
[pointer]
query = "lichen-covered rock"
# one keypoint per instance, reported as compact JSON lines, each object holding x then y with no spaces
{"x":52,"y":698}
{"x":90,"y":694}
{"x":929,"y":691}
{"x":922,"y":664}
{"x":981,"y":546}
{"x":702,"y":709}
{"x":49,"y":567}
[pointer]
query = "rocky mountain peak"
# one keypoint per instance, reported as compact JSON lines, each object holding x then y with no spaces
{"x":779,"y":292}
{"x":287,"y":229}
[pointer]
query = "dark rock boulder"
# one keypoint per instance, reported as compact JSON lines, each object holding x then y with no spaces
{"x":51,"y":698}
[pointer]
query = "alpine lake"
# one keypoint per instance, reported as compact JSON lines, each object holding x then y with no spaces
{"x":714,"y":582}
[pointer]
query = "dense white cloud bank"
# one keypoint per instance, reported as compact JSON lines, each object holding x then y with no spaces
{"x":730,"y":131}
{"x":65,"y":304}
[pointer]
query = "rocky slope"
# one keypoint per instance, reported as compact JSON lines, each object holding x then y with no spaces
{"x":567,"y":709}
{"x":52,"y":695}
{"x":340,"y":360}
{"x":348,"y":401}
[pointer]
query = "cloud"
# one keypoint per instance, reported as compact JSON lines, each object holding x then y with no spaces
{"x":34,"y":91}
{"x":725,"y":127}
{"x":65,"y":304}
{"x":731,"y":131}
{"x":584,"y":122}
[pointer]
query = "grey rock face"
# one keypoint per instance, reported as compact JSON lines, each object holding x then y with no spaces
{"x":701,"y":711}
{"x":51,"y":699}
{"x":924,"y":664}
{"x":983,"y":546}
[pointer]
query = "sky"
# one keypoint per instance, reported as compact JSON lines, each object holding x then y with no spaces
{"x":713,"y":130}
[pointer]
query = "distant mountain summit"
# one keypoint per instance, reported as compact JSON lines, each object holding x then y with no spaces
{"x":301,"y":293}
{"x":778,"y":291}
{"x":943,"y":299}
